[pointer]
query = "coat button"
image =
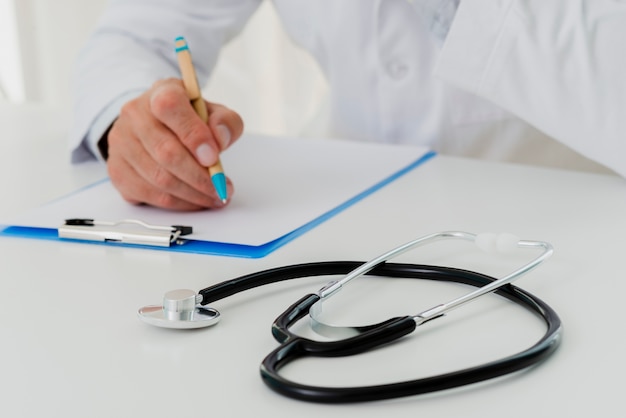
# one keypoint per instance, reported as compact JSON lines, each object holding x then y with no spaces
{"x":397,"y":69}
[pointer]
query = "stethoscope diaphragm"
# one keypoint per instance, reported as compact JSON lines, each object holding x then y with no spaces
{"x":179,"y":311}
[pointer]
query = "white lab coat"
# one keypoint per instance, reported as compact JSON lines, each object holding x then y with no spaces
{"x":510,"y":74}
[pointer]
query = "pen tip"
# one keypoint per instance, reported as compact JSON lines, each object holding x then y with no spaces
{"x":224,"y":201}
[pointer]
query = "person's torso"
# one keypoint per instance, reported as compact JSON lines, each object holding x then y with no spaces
{"x":378,"y":57}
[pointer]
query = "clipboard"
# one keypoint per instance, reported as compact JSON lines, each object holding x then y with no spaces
{"x":284,"y":187}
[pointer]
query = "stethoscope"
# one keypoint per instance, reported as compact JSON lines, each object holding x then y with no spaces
{"x":186,"y":309}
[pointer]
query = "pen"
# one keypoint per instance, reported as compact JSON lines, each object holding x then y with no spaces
{"x":190,"y":81}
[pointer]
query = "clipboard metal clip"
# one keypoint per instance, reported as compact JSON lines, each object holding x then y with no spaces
{"x":126,"y":231}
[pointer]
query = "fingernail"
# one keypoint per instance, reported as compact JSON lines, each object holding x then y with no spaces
{"x":223,"y":135}
{"x":218,"y":203}
{"x":205,"y":155}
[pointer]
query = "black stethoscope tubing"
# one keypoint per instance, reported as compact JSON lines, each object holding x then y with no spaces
{"x":293,"y":347}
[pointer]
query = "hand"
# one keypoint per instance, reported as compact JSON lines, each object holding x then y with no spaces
{"x":159,"y":149}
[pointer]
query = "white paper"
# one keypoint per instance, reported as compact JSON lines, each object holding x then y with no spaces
{"x":280,"y":184}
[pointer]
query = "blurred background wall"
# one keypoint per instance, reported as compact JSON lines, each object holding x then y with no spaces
{"x":275,"y":86}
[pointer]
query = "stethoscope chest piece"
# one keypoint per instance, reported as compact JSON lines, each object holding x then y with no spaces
{"x":179,"y":311}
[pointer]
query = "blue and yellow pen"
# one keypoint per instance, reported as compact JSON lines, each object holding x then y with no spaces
{"x":190,"y":81}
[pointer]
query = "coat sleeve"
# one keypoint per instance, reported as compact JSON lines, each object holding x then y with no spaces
{"x":133,"y":46}
{"x":559,"y":65}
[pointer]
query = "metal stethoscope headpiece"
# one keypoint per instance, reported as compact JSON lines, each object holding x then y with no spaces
{"x":488,"y":242}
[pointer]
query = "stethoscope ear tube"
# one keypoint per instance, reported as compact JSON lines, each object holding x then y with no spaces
{"x":274,"y":275}
{"x":294,"y":347}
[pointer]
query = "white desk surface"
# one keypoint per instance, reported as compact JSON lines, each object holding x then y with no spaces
{"x":72,"y":346}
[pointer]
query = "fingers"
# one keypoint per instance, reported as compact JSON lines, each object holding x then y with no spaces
{"x":226,"y":125}
{"x":123,"y":177}
{"x":153,"y":149}
{"x":170,"y":105}
{"x":139,"y":179}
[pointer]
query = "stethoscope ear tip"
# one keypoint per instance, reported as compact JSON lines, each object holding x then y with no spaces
{"x":179,"y":311}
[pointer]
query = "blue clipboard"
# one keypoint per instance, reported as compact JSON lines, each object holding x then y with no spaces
{"x":289,"y":156}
